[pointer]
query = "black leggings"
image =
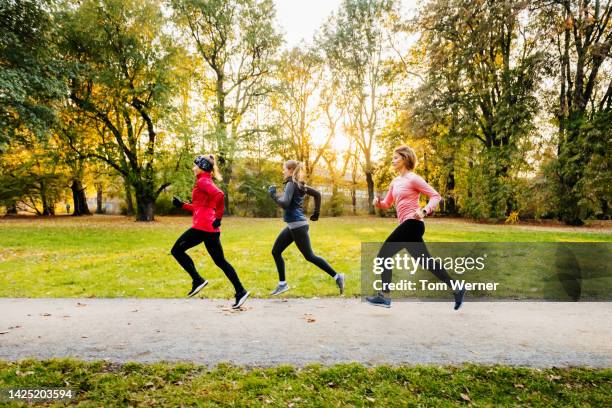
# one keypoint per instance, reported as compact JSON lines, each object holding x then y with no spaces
{"x":302,"y":241}
{"x":410,"y":234}
{"x":193,"y":237}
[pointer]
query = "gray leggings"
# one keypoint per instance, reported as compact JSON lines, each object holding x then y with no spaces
{"x":302,"y":241}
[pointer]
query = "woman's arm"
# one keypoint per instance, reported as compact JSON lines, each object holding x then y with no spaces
{"x":187,"y":206}
{"x":434,"y":197}
{"x":219,"y":201}
{"x":388,"y":201}
{"x":285,"y":200}
{"x":317,"y":198}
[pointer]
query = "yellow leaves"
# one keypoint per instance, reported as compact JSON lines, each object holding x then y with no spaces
{"x":513,"y":218}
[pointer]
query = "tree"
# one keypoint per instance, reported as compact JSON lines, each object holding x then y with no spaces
{"x":31,"y":75}
{"x":299,"y":77}
{"x":237,"y":41}
{"x":355,"y":43}
{"x":582,"y":33}
{"x":126,"y":70}
{"x":480,"y":85}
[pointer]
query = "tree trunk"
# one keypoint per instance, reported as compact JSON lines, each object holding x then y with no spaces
{"x":145,"y":202}
{"x":47,"y":206}
{"x":129,"y":203}
{"x":79,"y":199}
{"x":146,"y":208}
{"x":370,"y":182}
{"x":11,"y":208}
{"x":450,"y":206}
{"x":99,"y":209}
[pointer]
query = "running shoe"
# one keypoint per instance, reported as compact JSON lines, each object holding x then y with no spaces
{"x":240,"y":299}
{"x":340,"y":282}
{"x":379,"y":300}
{"x":282,"y":287}
{"x":197,"y":286}
{"x":459,"y":298}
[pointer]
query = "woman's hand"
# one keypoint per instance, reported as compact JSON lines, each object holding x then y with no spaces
{"x":177,"y":202}
{"x":420,"y":214}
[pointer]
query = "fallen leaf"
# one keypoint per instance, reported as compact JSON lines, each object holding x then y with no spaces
{"x":519,"y":386}
{"x":465,"y":397}
{"x":46,"y":314}
{"x":14,"y":327}
{"x":134,"y":311}
{"x":370,"y":399}
{"x":310,"y":320}
{"x":83,"y":337}
{"x":79,"y":304}
{"x":4,"y":332}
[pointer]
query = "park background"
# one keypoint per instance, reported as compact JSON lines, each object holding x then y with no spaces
{"x":105,"y":103}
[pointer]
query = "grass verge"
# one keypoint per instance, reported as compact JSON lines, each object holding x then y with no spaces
{"x":177,"y":384}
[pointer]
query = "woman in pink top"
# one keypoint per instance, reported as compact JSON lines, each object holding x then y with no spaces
{"x":404,"y":191}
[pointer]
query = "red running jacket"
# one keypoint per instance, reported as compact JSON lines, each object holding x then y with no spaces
{"x":206,"y":203}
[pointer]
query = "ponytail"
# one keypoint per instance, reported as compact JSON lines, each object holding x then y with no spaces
{"x":216,"y":173}
{"x":297,"y":173}
{"x":296,"y":166}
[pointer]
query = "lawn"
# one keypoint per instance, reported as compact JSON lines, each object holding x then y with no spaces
{"x":112,"y":256}
{"x":98,"y":384}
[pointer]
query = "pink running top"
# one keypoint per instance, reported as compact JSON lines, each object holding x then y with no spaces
{"x":405,"y":191}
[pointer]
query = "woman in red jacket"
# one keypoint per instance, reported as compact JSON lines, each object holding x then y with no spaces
{"x":207,"y":205}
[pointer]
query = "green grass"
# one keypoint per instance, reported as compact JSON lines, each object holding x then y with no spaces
{"x":101,"y":384}
{"x":109,"y":256}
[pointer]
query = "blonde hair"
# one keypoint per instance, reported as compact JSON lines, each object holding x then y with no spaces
{"x":409,"y":156}
{"x":216,"y":173}
{"x":296,"y":166}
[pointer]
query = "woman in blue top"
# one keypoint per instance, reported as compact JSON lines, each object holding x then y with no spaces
{"x":297,"y":225}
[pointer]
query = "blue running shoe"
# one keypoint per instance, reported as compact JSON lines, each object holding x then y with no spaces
{"x":379,"y":300}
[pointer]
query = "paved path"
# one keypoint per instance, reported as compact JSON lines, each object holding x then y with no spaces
{"x":302,"y":331}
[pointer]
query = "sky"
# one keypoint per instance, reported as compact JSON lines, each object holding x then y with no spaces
{"x":300,"y":19}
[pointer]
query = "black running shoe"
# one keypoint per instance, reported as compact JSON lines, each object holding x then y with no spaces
{"x":240,"y":299}
{"x":459,"y":298}
{"x":197,"y":286}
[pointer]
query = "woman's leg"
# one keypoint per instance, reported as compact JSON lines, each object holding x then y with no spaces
{"x":212,"y":242}
{"x":417,"y":229}
{"x":392,"y":245}
{"x":283,"y":240}
{"x":189,"y":239}
{"x":302,"y":240}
